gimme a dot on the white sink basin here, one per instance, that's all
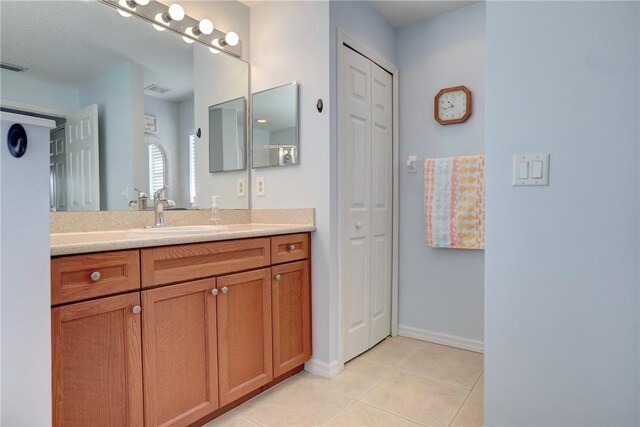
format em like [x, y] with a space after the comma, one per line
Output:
[182, 229]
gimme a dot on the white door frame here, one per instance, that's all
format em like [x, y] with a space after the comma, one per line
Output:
[345, 38]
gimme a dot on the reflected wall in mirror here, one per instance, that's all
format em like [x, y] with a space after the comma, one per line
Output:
[275, 127]
[227, 135]
[229, 82]
[99, 90]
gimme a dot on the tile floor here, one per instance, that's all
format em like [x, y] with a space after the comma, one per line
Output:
[400, 382]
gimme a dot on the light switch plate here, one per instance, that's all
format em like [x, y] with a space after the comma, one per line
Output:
[242, 187]
[538, 163]
[261, 190]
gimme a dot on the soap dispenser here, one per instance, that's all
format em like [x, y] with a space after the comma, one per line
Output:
[215, 211]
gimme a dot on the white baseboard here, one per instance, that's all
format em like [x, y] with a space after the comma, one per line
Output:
[444, 339]
[322, 369]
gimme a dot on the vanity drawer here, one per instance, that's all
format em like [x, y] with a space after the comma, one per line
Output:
[290, 247]
[81, 277]
[173, 264]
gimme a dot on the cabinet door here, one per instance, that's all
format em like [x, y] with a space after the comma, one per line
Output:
[244, 333]
[97, 363]
[291, 296]
[179, 343]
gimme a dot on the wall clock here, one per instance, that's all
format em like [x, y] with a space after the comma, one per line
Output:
[452, 105]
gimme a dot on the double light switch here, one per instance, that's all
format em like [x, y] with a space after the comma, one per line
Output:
[531, 169]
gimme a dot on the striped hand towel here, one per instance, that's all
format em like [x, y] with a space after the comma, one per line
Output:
[454, 202]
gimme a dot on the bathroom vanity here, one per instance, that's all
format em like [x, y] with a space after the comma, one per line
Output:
[176, 330]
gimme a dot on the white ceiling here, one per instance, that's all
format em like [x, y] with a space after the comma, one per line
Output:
[401, 13]
[73, 42]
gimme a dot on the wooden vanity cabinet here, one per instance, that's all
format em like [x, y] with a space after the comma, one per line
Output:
[244, 333]
[97, 363]
[212, 324]
[179, 341]
[291, 301]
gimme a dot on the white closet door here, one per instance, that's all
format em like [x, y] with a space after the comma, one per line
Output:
[366, 201]
[355, 200]
[83, 177]
[381, 203]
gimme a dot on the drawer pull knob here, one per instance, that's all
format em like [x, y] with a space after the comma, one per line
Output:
[137, 309]
[214, 292]
[292, 248]
[278, 277]
[225, 290]
[95, 276]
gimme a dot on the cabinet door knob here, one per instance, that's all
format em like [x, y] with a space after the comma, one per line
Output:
[358, 224]
[278, 277]
[292, 248]
[225, 290]
[95, 276]
[214, 292]
[137, 309]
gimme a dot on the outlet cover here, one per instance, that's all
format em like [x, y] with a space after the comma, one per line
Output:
[261, 190]
[242, 187]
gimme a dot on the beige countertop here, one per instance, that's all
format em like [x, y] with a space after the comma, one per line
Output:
[100, 241]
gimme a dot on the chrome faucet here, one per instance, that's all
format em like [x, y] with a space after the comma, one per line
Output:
[159, 202]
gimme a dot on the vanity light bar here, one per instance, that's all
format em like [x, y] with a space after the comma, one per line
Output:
[215, 40]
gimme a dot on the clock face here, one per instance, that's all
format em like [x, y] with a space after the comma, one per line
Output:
[453, 105]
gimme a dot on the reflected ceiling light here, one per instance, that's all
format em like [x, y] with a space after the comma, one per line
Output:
[187, 39]
[125, 5]
[158, 18]
[175, 13]
[261, 121]
[231, 39]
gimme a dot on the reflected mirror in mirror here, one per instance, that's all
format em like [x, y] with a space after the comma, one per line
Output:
[127, 106]
[227, 136]
[275, 127]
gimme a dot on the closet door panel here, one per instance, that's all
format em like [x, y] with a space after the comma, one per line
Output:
[381, 203]
[355, 198]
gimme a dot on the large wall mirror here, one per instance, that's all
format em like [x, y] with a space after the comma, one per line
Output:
[275, 126]
[132, 106]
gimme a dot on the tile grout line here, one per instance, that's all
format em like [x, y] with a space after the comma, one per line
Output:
[392, 413]
[466, 398]
[340, 413]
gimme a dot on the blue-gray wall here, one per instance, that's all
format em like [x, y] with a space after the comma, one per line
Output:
[441, 290]
[562, 282]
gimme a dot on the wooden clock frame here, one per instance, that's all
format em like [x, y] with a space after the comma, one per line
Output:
[447, 90]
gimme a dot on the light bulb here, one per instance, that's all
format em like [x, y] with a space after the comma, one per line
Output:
[212, 50]
[176, 12]
[159, 18]
[142, 2]
[216, 43]
[187, 40]
[231, 38]
[261, 121]
[205, 27]
[124, 5]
